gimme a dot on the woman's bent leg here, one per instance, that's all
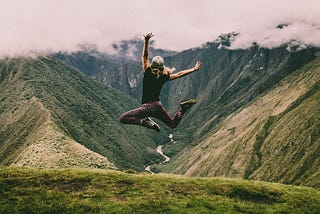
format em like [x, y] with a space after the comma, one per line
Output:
[164, 116]
[134, 116]
[153, 109]
[140, 116]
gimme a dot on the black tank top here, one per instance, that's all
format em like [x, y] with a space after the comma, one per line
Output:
[152, 86]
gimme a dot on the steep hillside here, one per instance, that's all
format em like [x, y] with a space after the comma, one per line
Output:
[106, 191]
[29, 137]
[274, 138]
[227, 80]
[48, 109]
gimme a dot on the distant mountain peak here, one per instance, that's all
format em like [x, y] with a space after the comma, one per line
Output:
[131, 49]
[281, 26]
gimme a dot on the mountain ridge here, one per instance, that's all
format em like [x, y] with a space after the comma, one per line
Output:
[82, 110]
[247, 131]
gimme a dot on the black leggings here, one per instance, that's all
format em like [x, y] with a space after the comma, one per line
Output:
[151, 109]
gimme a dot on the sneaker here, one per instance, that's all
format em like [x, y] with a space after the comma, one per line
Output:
[150, 124]
[186, 104]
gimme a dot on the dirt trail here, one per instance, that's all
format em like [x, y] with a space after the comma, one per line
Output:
[159, 150]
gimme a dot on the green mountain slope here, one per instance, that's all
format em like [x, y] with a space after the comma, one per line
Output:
[228, 80]
[49, 111]
[274, 138]
[227, 83]
[102, 191]
[29, 137]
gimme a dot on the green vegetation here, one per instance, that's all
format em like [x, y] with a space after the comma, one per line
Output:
[257, 115]
[39, 91]
[274, 138]
[255, 161]
[294, 139]
[25, 190]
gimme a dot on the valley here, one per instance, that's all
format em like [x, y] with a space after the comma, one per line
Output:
[56, 114]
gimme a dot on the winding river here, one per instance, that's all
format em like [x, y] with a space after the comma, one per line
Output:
[166, 159]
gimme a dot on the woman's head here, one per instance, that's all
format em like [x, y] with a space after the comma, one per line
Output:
[158, 67]
[157, 63]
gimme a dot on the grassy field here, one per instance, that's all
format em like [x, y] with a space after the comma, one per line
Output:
[25, 190]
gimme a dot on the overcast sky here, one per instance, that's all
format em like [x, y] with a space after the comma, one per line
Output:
[54, 25]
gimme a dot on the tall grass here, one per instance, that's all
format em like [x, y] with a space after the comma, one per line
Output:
[100, 191]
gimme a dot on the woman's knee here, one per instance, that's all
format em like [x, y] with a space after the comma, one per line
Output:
[122, 118]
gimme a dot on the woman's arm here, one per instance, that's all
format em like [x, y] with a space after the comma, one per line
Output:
[145, 52]
[186, 72]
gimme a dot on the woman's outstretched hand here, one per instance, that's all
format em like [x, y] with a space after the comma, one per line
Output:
[197, 66]
[185, 72]
[148, 36]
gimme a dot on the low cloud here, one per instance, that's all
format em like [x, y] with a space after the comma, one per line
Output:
[299, 33]
[41, 26]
